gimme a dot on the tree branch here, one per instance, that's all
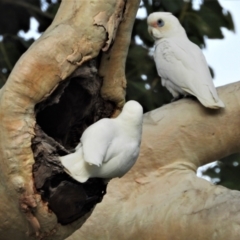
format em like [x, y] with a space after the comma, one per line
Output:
[112, 67]
[74, 37]
[161, 197]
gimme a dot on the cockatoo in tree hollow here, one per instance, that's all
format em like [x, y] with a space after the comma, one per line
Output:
[181, 63]
[109, 147]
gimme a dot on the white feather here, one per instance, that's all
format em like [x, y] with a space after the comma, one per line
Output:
[108, 148]
[75, 166]
[180, 63]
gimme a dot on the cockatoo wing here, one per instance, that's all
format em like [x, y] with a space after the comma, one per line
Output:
[96, 140]
[75, 166]
[182, 62]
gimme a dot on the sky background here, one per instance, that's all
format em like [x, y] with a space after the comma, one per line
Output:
[224, 55]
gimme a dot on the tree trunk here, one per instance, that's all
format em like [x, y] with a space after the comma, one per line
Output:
[68, 79]
[161, 197]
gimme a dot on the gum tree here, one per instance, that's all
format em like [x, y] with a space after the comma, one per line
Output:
[68, 79]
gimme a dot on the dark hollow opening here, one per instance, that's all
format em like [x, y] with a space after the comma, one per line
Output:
[61, 119]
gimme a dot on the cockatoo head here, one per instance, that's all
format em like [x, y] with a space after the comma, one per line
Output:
[132, 112]
[163, 24]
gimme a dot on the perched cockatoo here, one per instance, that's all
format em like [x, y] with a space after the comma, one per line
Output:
[109, 147]
[181, 63]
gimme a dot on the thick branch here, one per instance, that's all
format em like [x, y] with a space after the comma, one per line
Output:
[75, 36]
[186, 131]
[112, 67]
[161, 197]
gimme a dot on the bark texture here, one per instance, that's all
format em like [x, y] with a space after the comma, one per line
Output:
[51, 96]
[161, 197]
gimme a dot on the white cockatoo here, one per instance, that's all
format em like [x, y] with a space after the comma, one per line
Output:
[181, 63]
[109, 147]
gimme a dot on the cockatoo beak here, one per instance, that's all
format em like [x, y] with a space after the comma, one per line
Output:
[154, 33]
[150, 31]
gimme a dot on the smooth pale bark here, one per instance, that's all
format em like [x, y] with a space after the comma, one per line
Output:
[161, 197]
[79, 32]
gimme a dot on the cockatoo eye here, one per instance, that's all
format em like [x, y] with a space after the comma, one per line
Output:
[160, 22]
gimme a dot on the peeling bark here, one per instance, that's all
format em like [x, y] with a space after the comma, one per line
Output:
[52, 95]
[112, 66]
[161, 197]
